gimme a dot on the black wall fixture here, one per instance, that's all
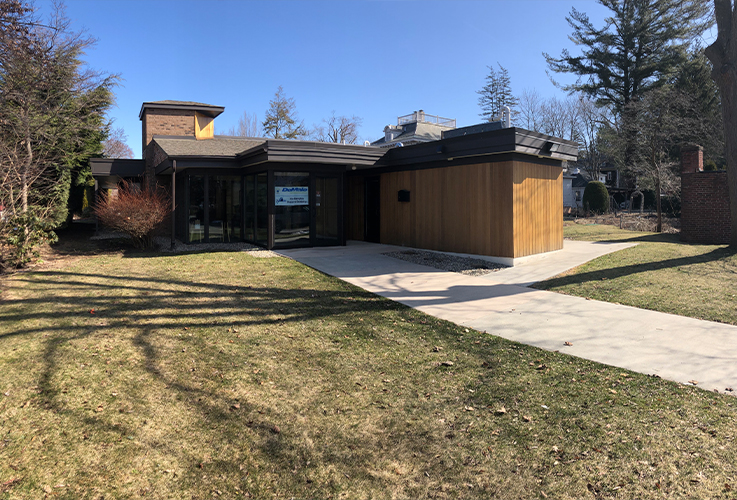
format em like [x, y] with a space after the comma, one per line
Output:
[403, 195]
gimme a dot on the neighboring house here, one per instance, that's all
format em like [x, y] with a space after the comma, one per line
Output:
[413, 129]
[611, 177]
[480, 191]
[574, 184]
[578, 186]
[618, 183]
[568, 198]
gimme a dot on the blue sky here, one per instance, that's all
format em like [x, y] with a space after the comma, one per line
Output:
[376, 59]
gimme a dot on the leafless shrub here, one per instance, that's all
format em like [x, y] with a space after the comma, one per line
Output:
[139, 213]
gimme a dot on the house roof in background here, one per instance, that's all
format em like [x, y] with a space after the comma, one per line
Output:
[415, 131]
[579, 181]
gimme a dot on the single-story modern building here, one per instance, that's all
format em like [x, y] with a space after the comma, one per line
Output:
[478, 191]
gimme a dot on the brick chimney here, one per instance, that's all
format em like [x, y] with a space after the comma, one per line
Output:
[692, 159]
[177, 118]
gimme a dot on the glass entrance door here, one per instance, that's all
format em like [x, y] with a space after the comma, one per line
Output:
[291, 209]
[327, 211]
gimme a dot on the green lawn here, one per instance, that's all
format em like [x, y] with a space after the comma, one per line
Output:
[660, 273]
[222, 375]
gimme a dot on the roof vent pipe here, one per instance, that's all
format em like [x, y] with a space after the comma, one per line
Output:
[507, 116]
[366, 143]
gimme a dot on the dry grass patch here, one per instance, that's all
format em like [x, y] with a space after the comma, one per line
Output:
[219, 374]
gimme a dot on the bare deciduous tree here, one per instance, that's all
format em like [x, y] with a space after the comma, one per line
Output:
[530, 110]
[576, 118]
[661, 120]
[115, 146]
[248, 126]
[337, 129]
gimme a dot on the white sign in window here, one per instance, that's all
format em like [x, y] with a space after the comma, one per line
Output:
[290, 196]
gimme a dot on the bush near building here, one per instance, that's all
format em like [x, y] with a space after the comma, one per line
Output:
[139, 213]
[596, 197]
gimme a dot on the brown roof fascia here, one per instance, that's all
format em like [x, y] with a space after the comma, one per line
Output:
[205, 109]
[494, 142]
[282, 150]
[123, 167]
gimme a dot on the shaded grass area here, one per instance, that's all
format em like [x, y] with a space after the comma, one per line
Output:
[218, 374]
[660, 273]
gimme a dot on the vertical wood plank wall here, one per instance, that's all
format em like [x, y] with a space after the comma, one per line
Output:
[503, 209]
[464, 208]
[538, 208]
[354, 222]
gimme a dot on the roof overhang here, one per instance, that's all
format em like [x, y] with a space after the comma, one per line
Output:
[207, 110]
[104, 167]
[285, 151]
[483, 144]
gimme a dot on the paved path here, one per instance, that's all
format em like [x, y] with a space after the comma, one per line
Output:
[500, 303]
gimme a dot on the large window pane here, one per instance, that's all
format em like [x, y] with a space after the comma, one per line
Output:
[262, 200]
[250, 206]
[225, 208]
[291, 209]
[196, 209]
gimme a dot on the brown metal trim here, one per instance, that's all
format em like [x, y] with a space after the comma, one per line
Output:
[469, 160]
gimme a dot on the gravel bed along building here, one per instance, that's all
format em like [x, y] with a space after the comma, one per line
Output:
[446, 262]
[164, 245]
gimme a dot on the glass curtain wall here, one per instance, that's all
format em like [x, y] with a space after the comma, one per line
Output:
[262, 204]
[236, 208]
[291, 209]
[196, 208]
[249, 203]
[224, 202]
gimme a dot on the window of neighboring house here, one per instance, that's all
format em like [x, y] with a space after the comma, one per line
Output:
[609, 176]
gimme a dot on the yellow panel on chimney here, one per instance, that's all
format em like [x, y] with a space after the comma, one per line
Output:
[204, 126]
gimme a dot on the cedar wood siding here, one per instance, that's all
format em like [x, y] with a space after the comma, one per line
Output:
[503, 209]
[464, 208]
[538, 203]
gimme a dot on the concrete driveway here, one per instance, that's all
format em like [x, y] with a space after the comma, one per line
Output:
[673, 347]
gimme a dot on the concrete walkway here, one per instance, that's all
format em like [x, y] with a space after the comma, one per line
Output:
[500, 303]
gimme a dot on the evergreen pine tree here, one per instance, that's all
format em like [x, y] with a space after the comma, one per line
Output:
[281, 118]
[496, 94]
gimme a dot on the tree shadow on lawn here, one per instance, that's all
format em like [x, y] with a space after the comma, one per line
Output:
[618, 272]
[643, 238]
[149, 312]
